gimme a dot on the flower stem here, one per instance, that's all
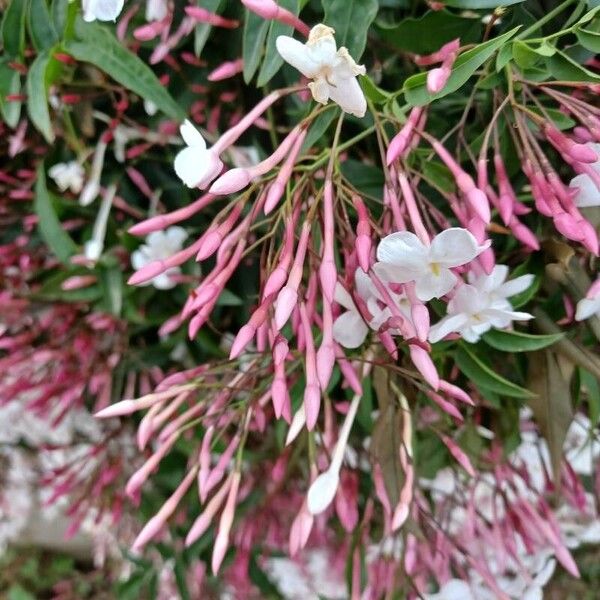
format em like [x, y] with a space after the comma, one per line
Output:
[545, 19]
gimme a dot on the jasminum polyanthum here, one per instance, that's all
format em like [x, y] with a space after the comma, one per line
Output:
[102, 10]
[590, 305]
[588, 189]
[68, 176]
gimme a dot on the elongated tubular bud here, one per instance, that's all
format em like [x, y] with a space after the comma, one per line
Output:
[126, 407]
[270, 10]
[400, 141]
[279, 275]
[278, 186]
[455, 392]
[326, 352]
[312, 391]
[215, 476]
[461, 458]
[247, 332]
[226, 70]
[203, 521]
[440, 55]
[201, 15]
[425, 366]
[413, 210]
[211, 240]
[566, 146]
[222, 539]
[288, 296]
[363, 234]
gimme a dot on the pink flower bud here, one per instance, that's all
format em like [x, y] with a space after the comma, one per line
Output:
[424, 364]
[231, 181]
[287, 299]
[461, 458]
[325, 363]
[436, 79]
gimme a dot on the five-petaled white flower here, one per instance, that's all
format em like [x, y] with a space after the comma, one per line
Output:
[68, 176]
[196, 165]
[333, 71]
[588, 193]
[159, 246]
[103, 10]
[495, 284]
[350, 329]
[404, 257]
[472, 312]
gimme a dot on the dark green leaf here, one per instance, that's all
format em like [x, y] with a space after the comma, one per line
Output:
[43, 34]
[409, 35]
[99, 47]
[516, 341]
[203, 30]
[10, 83]
[50, 227]
[415, 90]
[318, 127]
[480, 4]
[559, 118]
[372, 92]
[483, 375]
[13, 28]
[37, 94]
[111, 280]
[59, 10]
[273, 61]
[351, 20]
[255, 32]
[564, 68]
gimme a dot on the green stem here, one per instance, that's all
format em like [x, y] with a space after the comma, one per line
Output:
[539, 24]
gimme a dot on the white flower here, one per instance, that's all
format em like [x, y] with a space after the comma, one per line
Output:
[196, 165]
[333, 71]
[588, 193]
[150, 108]
[587, 307]
[68, 176]
[496, 286]
[453, 589]
[471, 313]
[577, 526]
[580, 451]
[159, 246]
[156, 10]
[404, 257]
[103, 10]
[350, 329]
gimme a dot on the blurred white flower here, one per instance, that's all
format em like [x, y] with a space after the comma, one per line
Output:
[333, 71]
[580, 450]
[159, 246]
[68, 176]
[588, 193]
[103, 10]
[587, 307]
[196, 165]
[156, 10]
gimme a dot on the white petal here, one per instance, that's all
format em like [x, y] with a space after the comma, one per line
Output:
[322, 491]
[588, 194]
[515, 286]
[403, 249]
[156, 10]
[587, 307]
[191, 165]
[454, 247]
[157, 241]
[349, 95]
[320, 90]
[321, 45]
[139, 258]
[92, 249]
[343, 298]
[191, 136]
[103, 10]
[490, 282]
[350, 330]
[164, 281]
[397, 274]
[175, 236]
[430, 285]
[447, 325]
[364, 286]
[297, 54]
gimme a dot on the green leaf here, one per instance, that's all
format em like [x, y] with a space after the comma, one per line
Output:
[564, 68]
[551, 405]
[588, 39]
[255, 32]
[415, 90]
[38, 79]
[517, 341]
[111, 281]
[480, 4]
[59, 10]
[318, 128]
[351, 20]
[16, 592]
[10, 83]
[41, 28]
[51, 230]
[273, 60]
[483, 375]
[372, 92]
[13, 28]
[408, 35]
[559, 118]
[99, 47]
[202, 30]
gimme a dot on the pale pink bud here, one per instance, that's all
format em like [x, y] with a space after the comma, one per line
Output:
[231, 181]
[524, 235]
[300, 530]
[201, 15]
[242, 339]
[420, 319]
[455, 392]
[346, 501]
[325, 363]
[268, 9]
[226, 70]
[424, 364]
[461, 458]
[437, 79]
[202, 523]
[222, 541]
[287, 299]
[77, 282]
[401, 140]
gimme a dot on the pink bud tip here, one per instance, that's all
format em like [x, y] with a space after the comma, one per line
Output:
[436, 79]
[276, 279]
[209, 245]
[230, 182]
[286, 301]
[273, 196]
[479, 202]
[242, 339]
[312, 404]
[420, 318]
[363, 252]
[325, 362]
[583, 153]
[328, 277]
[125, 407]
[147, 272]
[424, 364]
[279, 396]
